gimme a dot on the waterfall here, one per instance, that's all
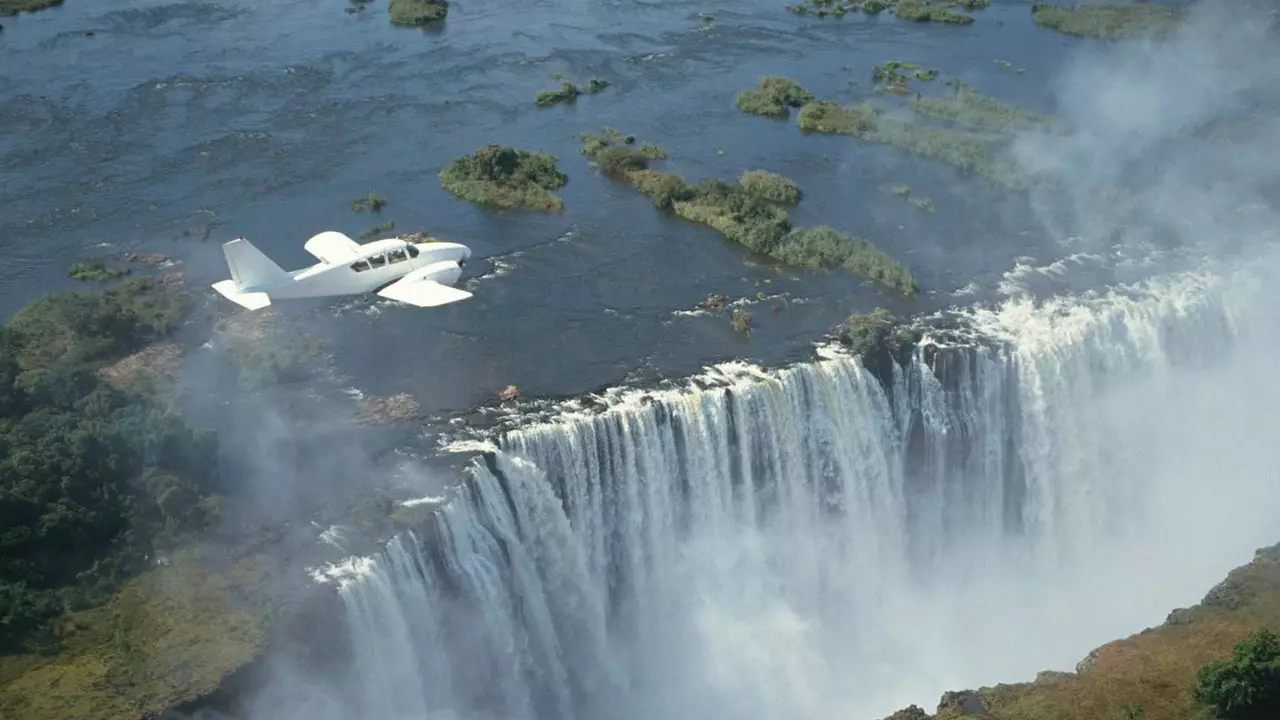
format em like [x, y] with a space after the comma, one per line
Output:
[814, 542]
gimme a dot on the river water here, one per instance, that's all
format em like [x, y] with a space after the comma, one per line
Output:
[174, 127]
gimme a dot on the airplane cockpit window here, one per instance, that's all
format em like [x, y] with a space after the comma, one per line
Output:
[360, 265]
[413, 251]
[378, 260]
[396, 256]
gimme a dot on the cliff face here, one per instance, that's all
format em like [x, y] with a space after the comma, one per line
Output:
[1149, 675]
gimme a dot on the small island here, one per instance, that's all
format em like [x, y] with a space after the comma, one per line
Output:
[1108, 21]
[506, 177]
[749, 212]
[416, 13]
[772, 97]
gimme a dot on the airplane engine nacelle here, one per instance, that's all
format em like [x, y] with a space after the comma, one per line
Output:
[445, 272]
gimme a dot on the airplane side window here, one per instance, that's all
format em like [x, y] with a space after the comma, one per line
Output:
[396, 256]
[413, 251]
[360, 266]
[378, 260]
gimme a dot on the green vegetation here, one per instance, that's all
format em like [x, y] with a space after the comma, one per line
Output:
[924, 204]
[879, 331]
[971, 109]
[377, 230]
[741, 321]
[167, 637]
[770, 186]
[1197, 665]
[416, 13]
[1108, 21]
[772, 96]
[1246, 687]
[506, 177]
[13, 7]
[94, 477]
[748, 213]
[917, 11]
[1010, 66]
[901, 190]
[568, 92]
[966, 151]
[93, 270]
[372, 202]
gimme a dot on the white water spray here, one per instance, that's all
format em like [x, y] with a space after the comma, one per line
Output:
[802, 543]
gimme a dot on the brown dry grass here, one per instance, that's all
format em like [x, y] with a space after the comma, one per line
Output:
[1154, 670]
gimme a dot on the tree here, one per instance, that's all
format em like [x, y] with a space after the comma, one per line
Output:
[1246, 687]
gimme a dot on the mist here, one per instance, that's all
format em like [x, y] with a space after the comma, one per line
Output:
[610, 567]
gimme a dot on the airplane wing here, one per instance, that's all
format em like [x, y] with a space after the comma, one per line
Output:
[423, 293]
[332, 247]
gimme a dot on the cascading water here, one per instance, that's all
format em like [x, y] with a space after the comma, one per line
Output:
[812, 543]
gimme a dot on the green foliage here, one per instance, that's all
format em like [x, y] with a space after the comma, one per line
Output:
[372, 202]
[416, 13]
[974, 110]
[84, 327]
[666, 189]
[873, 333]
[827, 116]
[917, 11]
[772, 96]
[567, 92]
[827, 247]
[506, 177]
[741, 321]
[889, 72]
[1109, 21]
[377, 230]
[1246, 687]
[596, 84]
[92, 478]
[770, 186]
[95, 270]
[13, 7]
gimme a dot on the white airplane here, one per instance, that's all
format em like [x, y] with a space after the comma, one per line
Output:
[419, 274]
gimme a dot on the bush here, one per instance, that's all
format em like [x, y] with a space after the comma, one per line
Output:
[666, 189]
[567, 92]
[416, 13]
[506, 177]
[772, 96]
[770, 186]
[827, 116]
[1246, 687]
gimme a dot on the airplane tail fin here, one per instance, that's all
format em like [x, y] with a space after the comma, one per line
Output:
[250, 268]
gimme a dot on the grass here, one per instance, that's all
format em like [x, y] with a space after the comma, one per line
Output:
[770, 186]
[965, 151]
[506, 177]
[974, 110]
[93, 270]
[1151, 674]
[772, 97]
[748, 212]
[13, 7]
[416, 13]
[167, 637]
[1107, 21]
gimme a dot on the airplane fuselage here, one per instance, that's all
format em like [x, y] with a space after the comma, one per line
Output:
[378, 263]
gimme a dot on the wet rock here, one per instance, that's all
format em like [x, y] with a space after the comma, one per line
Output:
[390, 410]
[510, 392]
[714, 301]
[151, 259]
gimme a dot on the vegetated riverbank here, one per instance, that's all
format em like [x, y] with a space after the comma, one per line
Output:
[130, 582]
[1154, 674]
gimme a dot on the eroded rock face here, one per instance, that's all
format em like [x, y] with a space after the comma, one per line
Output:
[911, 712]
[714, 301]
